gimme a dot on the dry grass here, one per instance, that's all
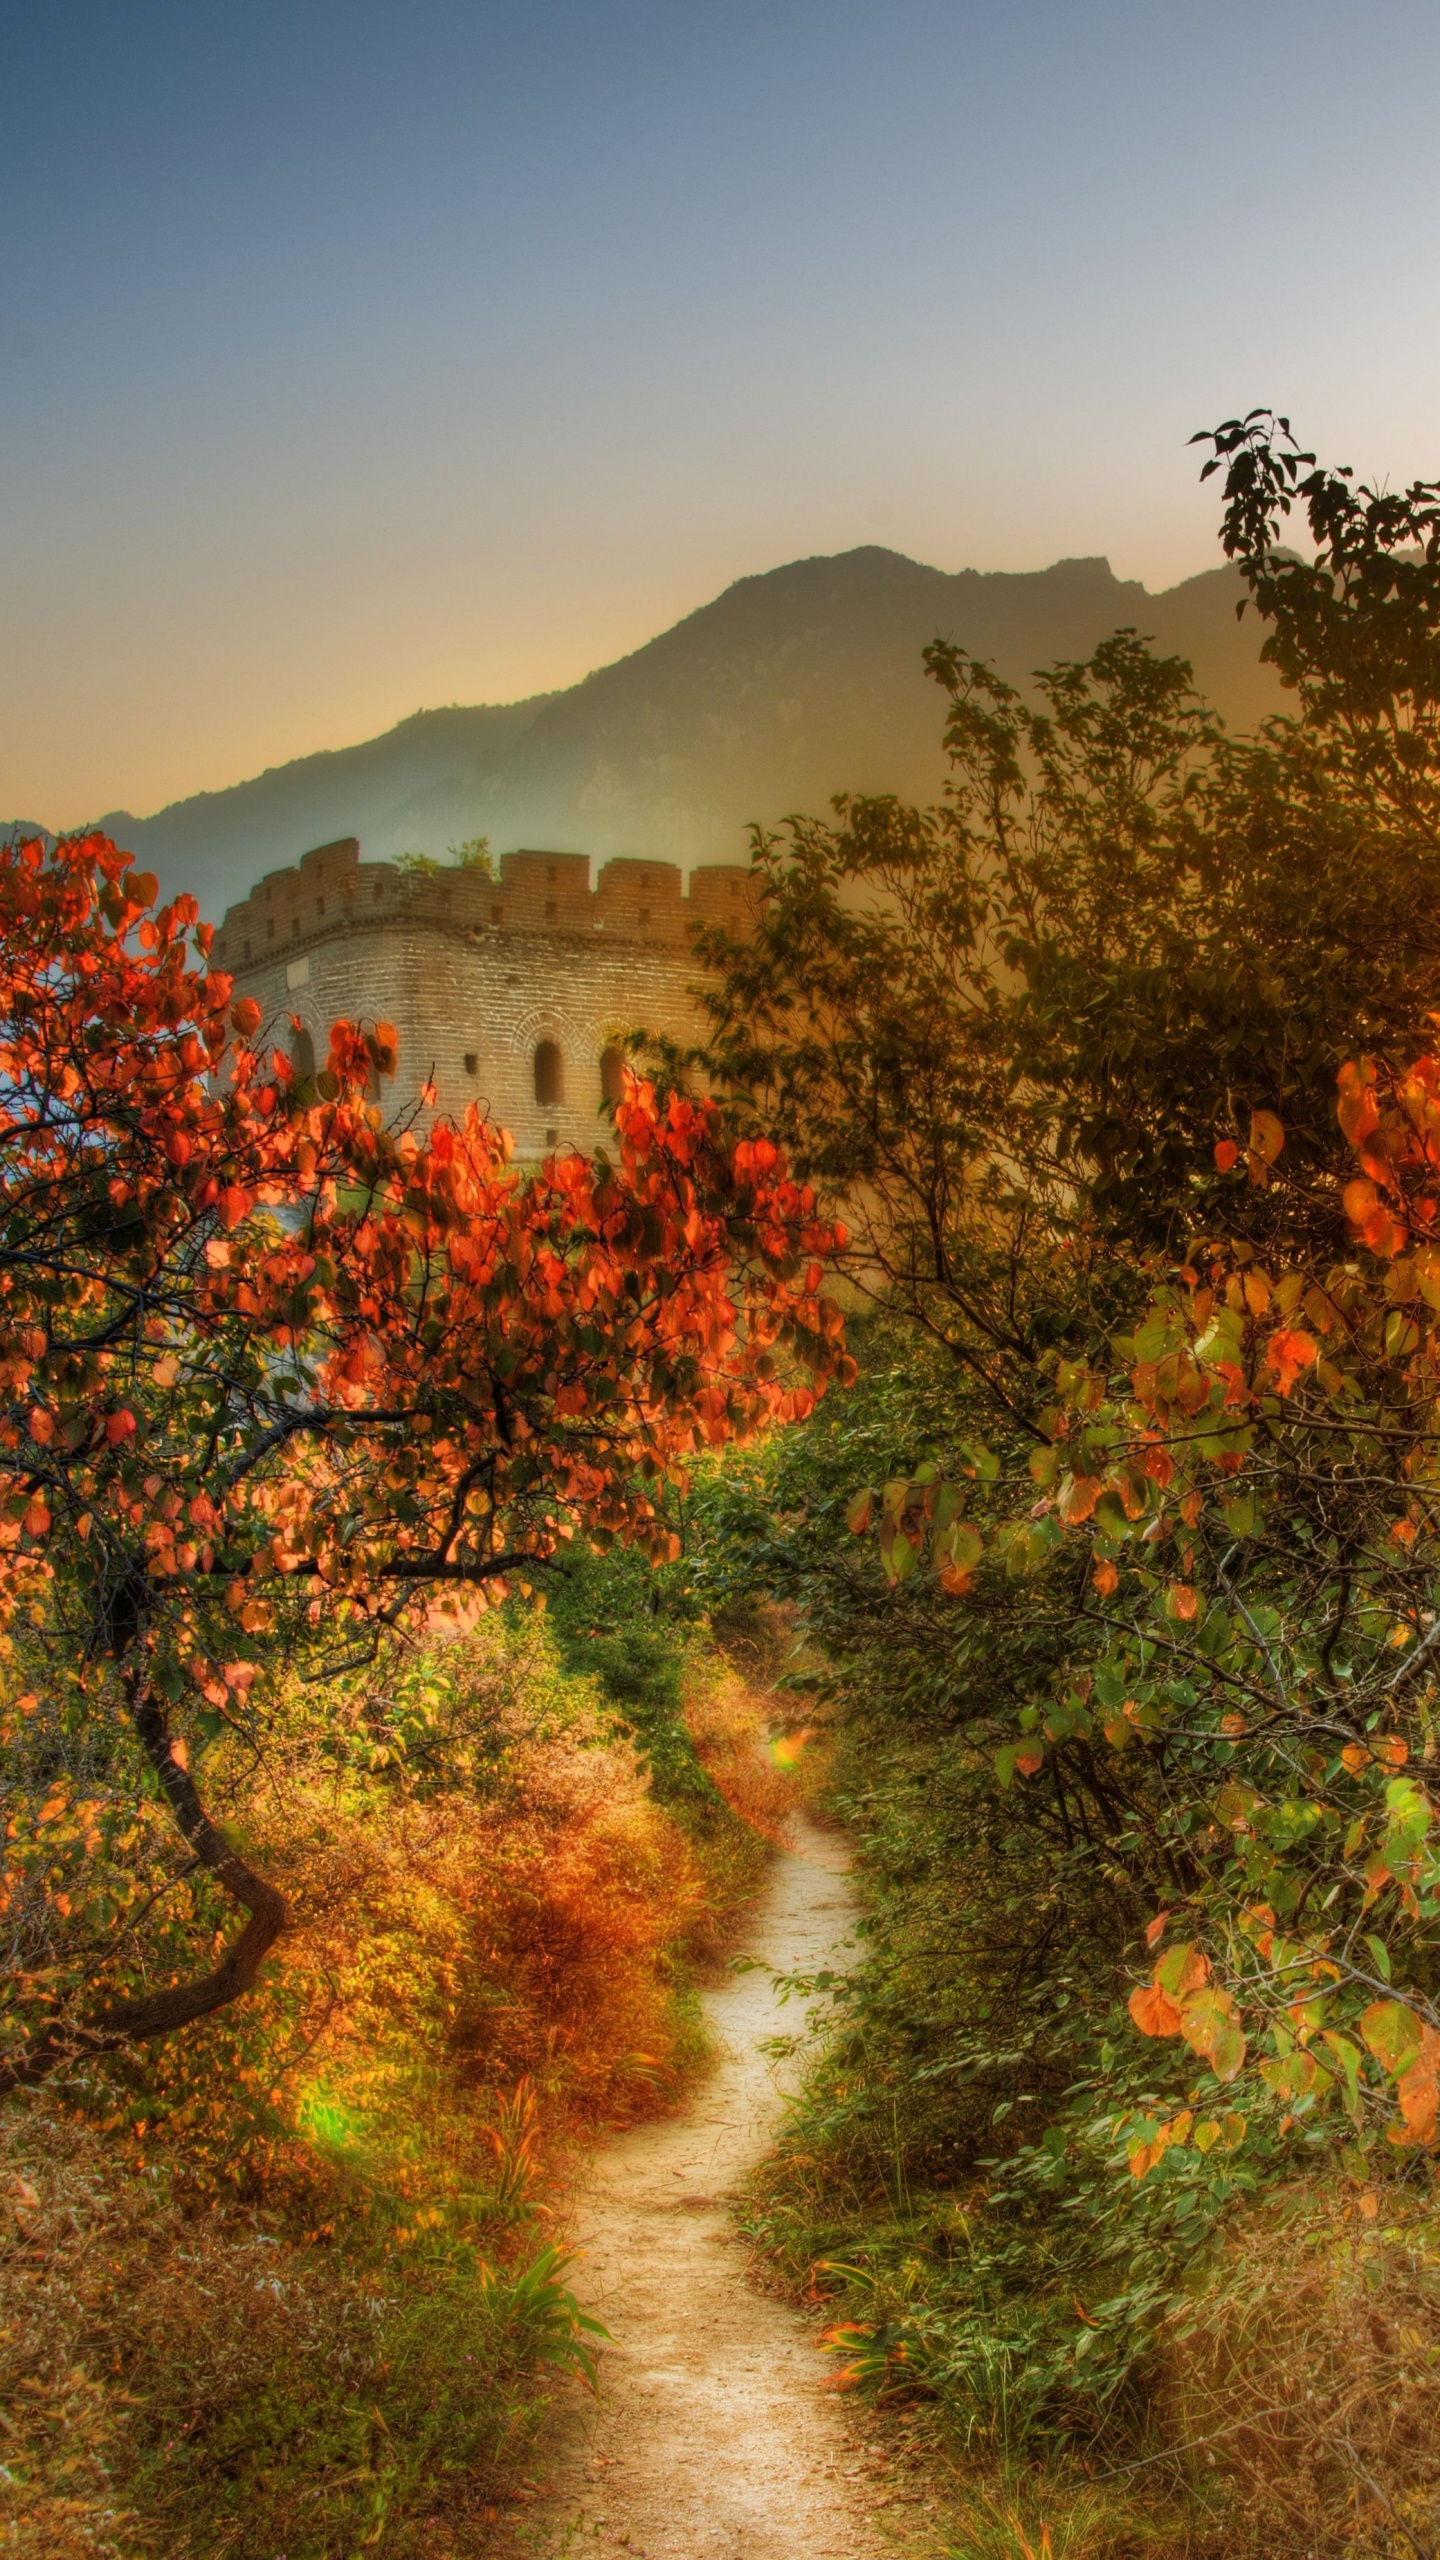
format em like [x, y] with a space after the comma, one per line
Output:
[179, 2382]
[1306, 2376]
[742, 1741]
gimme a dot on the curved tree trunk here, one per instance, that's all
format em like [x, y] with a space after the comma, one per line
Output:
[159, 2014]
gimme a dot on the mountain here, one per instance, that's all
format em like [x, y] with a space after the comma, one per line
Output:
[787, 688]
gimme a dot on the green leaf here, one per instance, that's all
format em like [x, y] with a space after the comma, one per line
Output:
[1348, 2057]
[961, 1545]
[1392, 2033]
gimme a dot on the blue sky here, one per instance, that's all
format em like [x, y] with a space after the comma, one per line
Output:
[369, 356]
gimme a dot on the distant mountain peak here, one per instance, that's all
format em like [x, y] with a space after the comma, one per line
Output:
[792, 684]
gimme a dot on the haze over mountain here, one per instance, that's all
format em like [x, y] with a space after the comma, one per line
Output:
[790, 686]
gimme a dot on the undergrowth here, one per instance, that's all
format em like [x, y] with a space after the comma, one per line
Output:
[954, 2195]
[292, 2284]
[1247, 2340]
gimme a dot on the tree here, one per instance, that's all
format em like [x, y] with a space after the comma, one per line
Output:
[1248, 1461]
[1009, 1029]
[273, 1368]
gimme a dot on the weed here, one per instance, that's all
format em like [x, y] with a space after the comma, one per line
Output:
[539, 2320]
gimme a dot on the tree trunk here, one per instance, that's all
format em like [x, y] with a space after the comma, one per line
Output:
[136, 2021]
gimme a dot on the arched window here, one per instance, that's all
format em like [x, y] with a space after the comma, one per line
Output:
[549, 1074]
[302, 1053]
[612, 1073]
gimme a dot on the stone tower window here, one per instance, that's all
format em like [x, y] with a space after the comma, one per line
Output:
[302, 1053]
[472, 1062]
[612, 1073]
[549, 1074]
[549, 910]
[497, 915]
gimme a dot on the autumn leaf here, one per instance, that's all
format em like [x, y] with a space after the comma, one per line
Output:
[1267, 1136]
[1392, 2033]
[1419, 2090]
[1210, 2028]
[1154, 2012]
[1182, 1969]
[1288, 1355]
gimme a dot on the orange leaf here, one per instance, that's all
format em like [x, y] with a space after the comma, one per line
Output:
[1227, 1154]
[1288, 1355]
[1418, 2090]
[1153, 2011]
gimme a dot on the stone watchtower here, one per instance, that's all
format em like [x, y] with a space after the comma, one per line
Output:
[509, 993]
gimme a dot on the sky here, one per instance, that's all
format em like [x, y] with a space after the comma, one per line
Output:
[365, 357]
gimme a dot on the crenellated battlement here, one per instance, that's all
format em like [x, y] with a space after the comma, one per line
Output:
[512, 990]
[331, 890]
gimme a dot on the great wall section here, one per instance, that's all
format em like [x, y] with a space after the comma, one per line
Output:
[509, 992]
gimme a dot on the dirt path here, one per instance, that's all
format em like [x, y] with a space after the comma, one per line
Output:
[713, 2437]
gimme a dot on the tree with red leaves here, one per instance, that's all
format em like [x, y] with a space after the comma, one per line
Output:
[273, 1367]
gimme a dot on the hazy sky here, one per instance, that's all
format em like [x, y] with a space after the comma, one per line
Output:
[365, 356]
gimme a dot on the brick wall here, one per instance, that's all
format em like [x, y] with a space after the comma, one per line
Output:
[478, 976]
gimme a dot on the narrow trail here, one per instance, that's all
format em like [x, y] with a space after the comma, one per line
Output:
[713, 2437]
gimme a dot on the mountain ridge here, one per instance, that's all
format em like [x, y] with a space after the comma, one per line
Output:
[792, 684]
